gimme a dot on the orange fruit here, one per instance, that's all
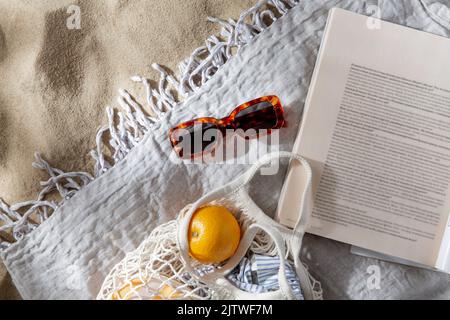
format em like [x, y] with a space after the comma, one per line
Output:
[214, 234]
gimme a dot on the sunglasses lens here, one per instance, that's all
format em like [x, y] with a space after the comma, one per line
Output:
[195, 139]
[261, 115]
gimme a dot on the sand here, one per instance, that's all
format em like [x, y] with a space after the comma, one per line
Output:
[55, 82]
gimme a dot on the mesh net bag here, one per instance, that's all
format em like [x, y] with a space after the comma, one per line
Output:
[154, 271]
[161, 268]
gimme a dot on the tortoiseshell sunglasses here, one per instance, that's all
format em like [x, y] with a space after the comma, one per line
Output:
[265, 113]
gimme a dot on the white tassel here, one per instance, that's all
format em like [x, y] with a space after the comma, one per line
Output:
[16, 224]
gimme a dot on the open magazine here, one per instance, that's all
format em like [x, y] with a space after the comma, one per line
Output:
[376, 131]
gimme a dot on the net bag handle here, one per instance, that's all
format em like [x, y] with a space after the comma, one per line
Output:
[236, 186]
[216, 279]
[294, 237]
[285, 290]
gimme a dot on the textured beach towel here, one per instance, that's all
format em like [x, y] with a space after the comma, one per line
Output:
[69, 255]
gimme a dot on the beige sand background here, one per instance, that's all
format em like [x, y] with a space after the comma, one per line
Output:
[55, 82]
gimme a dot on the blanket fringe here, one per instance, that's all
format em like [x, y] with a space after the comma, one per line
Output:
[128, 125]
[21, 218]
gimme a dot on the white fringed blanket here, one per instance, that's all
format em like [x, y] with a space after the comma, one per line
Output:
[102, 218]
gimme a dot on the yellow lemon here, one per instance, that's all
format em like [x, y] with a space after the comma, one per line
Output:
[214, 234]
[168, 292]
[125, 293]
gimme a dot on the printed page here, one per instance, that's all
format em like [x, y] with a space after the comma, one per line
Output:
[376, 131]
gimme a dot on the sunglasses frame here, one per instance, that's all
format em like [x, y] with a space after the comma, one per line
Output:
[229, 121]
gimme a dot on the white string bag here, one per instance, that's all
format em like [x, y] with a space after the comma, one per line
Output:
[161, 268]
